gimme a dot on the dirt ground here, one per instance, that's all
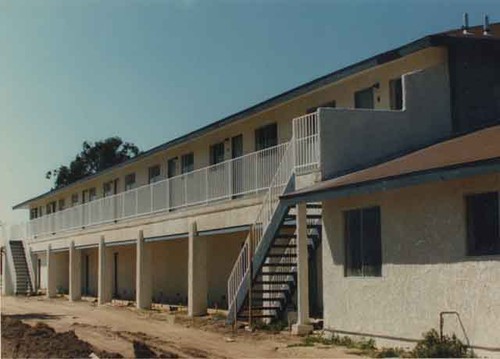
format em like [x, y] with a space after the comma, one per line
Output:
[137, 333]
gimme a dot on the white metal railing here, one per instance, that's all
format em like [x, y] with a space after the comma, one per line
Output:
[301, 154]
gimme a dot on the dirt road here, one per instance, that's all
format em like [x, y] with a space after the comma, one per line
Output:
[114, 329]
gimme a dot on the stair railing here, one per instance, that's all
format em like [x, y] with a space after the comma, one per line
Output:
[301, 153]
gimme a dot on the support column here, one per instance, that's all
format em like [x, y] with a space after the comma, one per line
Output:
[7, 278]
[75, 273]
[34, 269]
[103, 285]
[303, 325]
[197, 273]
[51, 273]
[143, 274]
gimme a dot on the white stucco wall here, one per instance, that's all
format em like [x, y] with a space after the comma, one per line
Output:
[425, 267]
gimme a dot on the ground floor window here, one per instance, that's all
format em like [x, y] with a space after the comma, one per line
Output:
[363, 244]
[483, 224]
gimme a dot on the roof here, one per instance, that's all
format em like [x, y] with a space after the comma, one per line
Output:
[477, 148]
[439, 39]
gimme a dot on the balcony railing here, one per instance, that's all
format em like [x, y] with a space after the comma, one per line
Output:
[251, 173]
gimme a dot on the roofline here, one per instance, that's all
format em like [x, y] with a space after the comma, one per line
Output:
[445, 173]
[439, 39]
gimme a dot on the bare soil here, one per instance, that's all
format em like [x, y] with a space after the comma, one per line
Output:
[110, 331]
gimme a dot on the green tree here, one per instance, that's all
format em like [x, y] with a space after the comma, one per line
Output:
[93, 158]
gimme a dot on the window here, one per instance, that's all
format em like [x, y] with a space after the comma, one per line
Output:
[172, 167]
[129, 181]
[482, 224]
[266, 136]
[40, 211]
[74, 199]
[107, 189]
[33, 213]
[331, 104]
[363, 244]
[217, 153]
[92, 194]
[187, 163]
[396, 88]
[61, 204]
[154, 174]
[364, 98]
[51, 207]
[237, 146]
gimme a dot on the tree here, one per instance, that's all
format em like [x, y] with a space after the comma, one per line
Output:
[93, 158]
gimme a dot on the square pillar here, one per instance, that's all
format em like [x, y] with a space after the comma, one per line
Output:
[197, 273]
[34, 269]
[75, 272]
[7, 279]
[103, 286]
[51, 273]
[144, 282]
[303, 326]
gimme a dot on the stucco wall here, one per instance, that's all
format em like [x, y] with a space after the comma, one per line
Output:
[93, 259]
[354, 138]
[61, 264]
[425, 268]
[125, 270]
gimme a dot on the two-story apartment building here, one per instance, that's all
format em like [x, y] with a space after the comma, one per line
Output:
[200, 221]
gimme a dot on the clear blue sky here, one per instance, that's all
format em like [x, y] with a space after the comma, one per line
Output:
[151, 70]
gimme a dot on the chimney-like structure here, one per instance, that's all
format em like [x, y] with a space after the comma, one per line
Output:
[465, 26]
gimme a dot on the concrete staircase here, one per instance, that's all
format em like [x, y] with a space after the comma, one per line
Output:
[23, 283]
[274, 285]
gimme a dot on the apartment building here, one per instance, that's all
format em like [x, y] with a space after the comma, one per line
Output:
[218, 217]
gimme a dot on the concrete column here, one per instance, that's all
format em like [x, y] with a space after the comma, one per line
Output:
[197, 273]
[7, 279]
[51, 273]
[34, 268]
[303, 325]
[75, 272]
[143, 274]
[103, 286]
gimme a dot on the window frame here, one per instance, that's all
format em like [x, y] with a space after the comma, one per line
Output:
[213, 160]
[364, 273]
[156, 178]
[128, 184]
[187, 162]
[361, 92]
[73, 201]
[396, 103]
[259, 135]
[472, 252]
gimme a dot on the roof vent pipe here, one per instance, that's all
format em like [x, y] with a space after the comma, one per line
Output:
[486, 26]
[465, 26]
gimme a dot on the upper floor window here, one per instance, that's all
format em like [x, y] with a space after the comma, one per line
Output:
[92, 194]
[129, 181]
[364, 98]
[172, 167]
[266, 136]
[154, 174]
[61, 204]
[217, 153]
[74, 199]
[33, 213]
[107, 189]
[482, 224]
[396, 95]
[40, 211]
[51, 207]
[187, 162]
[363, 243]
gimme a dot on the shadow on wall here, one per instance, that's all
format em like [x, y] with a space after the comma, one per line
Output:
[356, 138]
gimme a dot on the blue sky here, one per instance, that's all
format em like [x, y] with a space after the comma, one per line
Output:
[152, 70]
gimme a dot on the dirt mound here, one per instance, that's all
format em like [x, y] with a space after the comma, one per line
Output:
[20, 340]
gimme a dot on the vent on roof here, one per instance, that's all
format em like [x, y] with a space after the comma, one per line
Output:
[465, 26]
[486, 26]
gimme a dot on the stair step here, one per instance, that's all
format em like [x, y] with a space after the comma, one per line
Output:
[283, 246]
[279, 273]
[314, 205]
[263, 308]
[279, 265]
[258, 316]
[282, 255]
[281, 282]
[285, 235]
[289, 225]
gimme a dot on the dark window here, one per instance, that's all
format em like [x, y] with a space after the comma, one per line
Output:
[62, 204]
[40, 211]
[217, 153]
[51, 207]
[396, 88]
[172, 167]
[33, 213]
[482, 224]
[107, 189]
[364, 98]
[154, 174]
[237, 146]
[129, 181]
[74, 199]
[92, 194]
[266, 136]
[363, 244]
[331, 104]
[187, 163]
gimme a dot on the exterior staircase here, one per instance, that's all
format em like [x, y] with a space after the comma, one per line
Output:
[273, 288]
[23, 283]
